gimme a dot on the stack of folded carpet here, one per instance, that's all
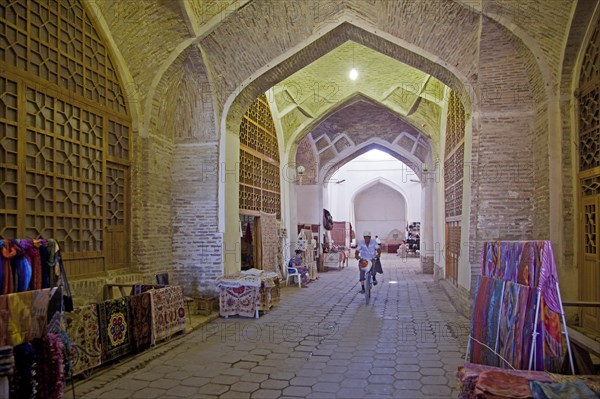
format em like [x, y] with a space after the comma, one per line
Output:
[477, 381]
[7, 364]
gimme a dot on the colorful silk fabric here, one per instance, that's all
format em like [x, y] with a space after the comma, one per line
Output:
[269, 241]
[168, 313]
[484, 327]
[242, 301]
[23, 316]
[23, 265]
[82, 327]
[141, 312]
[525, 270]
[115, 328]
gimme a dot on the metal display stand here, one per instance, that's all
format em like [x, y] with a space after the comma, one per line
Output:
[533, 353]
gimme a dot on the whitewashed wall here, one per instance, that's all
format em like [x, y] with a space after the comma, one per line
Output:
[385, 180]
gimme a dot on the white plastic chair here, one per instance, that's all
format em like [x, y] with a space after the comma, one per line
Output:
[293, 272]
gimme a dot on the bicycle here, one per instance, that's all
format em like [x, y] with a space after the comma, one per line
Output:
[366, 266]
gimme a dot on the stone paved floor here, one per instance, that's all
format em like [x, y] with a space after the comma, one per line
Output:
[319, 342]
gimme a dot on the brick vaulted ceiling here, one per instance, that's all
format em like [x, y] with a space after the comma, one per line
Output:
[314, 91]
[149, 35]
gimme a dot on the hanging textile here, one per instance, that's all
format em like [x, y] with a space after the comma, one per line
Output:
[9, 251]
[525, 270]
[338, 233]
[141, 313]
[25, 314]
[115, 328]
[269, 242]
[248, 234]
[23, 383]
[168, 313]
[82, 326]
[7, 364]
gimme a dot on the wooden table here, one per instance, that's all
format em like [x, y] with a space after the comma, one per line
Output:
[108, 289]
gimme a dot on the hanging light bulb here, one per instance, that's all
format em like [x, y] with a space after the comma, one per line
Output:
[353, 72]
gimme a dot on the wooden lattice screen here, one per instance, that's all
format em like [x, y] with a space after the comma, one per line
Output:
[589, 179]
[64, 135]
[259, 161]
[453, 182]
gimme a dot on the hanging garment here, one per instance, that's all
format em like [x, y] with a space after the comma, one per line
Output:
[23, 272]
[327, 220]
[9, 251]
[248, 235]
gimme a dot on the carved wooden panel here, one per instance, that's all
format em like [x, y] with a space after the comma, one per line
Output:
[590, 226]
[64, 133]
[452, 252]
[453, 182]
[589, 177]
[455, 124]
[259, 161]
[589, 129]
[454, 157]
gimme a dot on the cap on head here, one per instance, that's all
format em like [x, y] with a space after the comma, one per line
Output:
[367, 233]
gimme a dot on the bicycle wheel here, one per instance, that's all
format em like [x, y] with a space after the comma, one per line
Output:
[367, 287]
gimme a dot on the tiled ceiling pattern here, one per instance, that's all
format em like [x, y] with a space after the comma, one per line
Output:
[315, 91]
[347, 130]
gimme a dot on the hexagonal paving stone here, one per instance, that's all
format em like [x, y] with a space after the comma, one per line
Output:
[225, 379]
[303, 381]
[274, 384]
[149, 393]
[308, 372]
[213, 389]
[408, 384]
[351, 393]
[381, 379]
[407, 367]
[266, 394]
[254, 377]
[297, 391]
[260, 352]
[235, 395]
[146, 376]
[434, 380]
[431, 363]
[439, 390]
[116, 394]
[354, 383]
[163, 383]
[322, 395]
[282, 375]
[384, 363]
[326, 387]
[245, 387]
[195, 381]
[380, 389]
[182, 391]
[330, 377]
[236, 371]
[432, 371]
[408, 375]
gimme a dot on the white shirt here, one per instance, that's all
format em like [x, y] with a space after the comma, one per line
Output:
[367, 252]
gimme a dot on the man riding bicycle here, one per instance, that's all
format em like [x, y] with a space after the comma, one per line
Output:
[368, 249]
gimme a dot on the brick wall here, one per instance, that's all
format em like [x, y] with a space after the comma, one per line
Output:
[197, 244]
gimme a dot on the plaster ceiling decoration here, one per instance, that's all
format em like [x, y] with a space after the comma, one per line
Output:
[306, 97]
[350, 131]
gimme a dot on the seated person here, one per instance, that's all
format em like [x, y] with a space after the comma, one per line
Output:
[296, 262]
[402, 249]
